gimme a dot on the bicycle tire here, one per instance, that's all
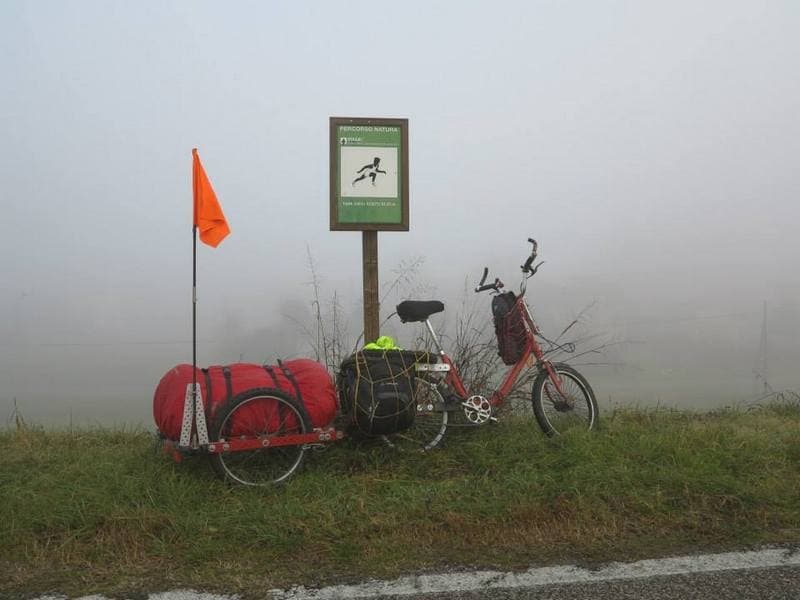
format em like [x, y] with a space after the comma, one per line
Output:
[262, 413]
[556, 413]
[430, 420]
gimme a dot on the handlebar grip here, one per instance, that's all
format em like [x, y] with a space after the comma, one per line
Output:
[527, 266]
[497, 286]
[485, 273]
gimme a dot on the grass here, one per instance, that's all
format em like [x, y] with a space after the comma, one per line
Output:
[103, 511]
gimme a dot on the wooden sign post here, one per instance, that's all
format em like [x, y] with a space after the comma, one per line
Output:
[369, 254]
[369, 192]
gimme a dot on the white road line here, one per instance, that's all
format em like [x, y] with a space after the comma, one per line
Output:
[485, 580]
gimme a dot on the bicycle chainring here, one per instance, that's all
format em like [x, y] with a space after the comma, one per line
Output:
[477, 409]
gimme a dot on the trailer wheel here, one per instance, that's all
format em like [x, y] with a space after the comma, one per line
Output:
[259, 414]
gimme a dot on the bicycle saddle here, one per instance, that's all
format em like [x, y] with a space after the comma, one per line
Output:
[418, 310]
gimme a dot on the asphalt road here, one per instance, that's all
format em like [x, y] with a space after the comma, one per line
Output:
[755, 584]
[768, 574]
[761, 574]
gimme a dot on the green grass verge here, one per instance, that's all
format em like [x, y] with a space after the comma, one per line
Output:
[105, 511]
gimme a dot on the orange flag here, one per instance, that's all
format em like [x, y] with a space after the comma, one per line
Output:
[208, 216]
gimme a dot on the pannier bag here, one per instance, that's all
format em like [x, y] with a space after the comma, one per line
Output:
[306, 380]
[509, 325]
[376, 389]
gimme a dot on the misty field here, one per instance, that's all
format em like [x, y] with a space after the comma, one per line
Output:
[104, 510]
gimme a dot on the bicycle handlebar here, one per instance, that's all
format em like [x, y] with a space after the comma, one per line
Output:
[489, 286]
[527, 269]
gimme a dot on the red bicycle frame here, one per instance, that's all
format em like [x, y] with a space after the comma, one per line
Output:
[532, 348]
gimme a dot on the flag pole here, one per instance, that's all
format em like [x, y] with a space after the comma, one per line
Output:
[194, 292]
[205, 211]
[194, 316]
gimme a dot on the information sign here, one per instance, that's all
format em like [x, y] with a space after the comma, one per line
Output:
[368, 174]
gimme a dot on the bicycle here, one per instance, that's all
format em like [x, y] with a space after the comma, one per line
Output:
[561, 397]
[260, 436]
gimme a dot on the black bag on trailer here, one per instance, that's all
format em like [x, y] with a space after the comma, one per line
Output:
[509, 325]
[376, 389]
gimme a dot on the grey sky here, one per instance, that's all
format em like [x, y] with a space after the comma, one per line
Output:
[651, 147]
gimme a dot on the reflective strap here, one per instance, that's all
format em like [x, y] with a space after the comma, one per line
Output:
[288, 374]
[281, 409]
[226, 372]
[271, 373]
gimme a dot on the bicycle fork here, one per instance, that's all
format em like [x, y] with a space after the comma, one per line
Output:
[539, 355]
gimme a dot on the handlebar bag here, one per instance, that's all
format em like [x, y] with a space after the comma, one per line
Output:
[509, 326]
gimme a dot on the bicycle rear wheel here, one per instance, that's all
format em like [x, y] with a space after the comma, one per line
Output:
[430, 420]
[261, 414]
[558, 412]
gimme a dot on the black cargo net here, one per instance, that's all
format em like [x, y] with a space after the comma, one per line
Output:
[376, 389]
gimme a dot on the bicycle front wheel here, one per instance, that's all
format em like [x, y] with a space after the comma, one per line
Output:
[430, 420]
[259, 414]
[573, 407]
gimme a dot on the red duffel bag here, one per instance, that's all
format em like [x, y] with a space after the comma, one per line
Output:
[306, 380]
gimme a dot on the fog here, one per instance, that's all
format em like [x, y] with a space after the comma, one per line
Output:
[651, 148]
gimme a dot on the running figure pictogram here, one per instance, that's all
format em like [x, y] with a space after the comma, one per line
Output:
[371, 171]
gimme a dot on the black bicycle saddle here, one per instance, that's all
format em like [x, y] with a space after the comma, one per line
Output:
[418, 310]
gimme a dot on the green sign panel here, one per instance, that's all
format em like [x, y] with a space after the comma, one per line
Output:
[369, 174]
